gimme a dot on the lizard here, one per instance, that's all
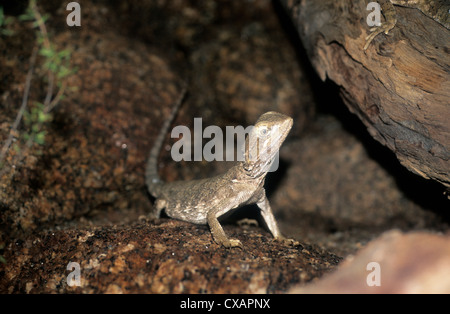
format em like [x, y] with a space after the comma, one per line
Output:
[204, 201]
[436, 9]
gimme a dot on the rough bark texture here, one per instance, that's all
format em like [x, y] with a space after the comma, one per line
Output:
[399, 87]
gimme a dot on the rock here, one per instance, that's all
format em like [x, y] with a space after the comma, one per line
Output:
[248, 67]
[164, 256]
[396, 262]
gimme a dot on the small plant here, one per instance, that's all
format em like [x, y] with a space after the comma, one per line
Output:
[57, 62]
[57, 65]
[34, 120]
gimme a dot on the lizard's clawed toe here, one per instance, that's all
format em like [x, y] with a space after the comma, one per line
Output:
[286, 241]
[230, 243]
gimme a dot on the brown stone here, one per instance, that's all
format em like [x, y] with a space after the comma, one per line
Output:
[416, 262]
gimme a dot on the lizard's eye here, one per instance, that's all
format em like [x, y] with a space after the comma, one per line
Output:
[263, 131]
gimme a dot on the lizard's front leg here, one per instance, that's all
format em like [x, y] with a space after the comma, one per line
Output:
[217, 232]
[266, 212]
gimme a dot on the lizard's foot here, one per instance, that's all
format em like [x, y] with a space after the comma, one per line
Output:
[286, 241]
[374, 31]
[230, 243]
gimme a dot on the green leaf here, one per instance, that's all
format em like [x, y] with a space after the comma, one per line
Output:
[35, 112]
[35, 128]
[47, 52]
[40, 39]
[53, 67]
[2, 16]
[63, 72]
[7, 32]
[45, 17]
[27, 16]
[64, 53]
[44, 117]
[40, 138]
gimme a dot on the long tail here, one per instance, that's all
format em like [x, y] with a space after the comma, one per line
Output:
[151, 173]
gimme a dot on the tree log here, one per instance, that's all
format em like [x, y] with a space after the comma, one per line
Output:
[399, 87]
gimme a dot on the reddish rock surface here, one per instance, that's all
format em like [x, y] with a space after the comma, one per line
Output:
[164, 256]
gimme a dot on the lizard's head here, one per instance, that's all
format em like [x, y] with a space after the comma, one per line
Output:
[264, 141]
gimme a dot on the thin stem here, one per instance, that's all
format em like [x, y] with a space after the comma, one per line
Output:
[22, 107]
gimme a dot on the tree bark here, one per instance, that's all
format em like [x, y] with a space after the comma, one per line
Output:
[399, 87]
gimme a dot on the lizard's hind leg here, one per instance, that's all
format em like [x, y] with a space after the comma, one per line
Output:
[160, 204]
